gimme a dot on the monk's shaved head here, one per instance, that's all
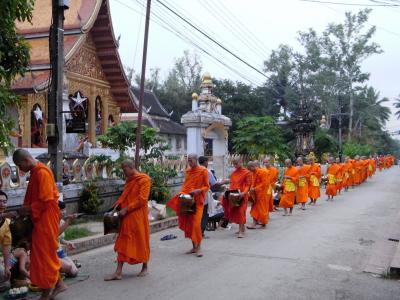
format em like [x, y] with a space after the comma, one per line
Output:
[237, 162]
[128, 163]
[128, 167]
[24, 160]
[192, 160]
[192, 155]
[21, 154]
[300, 160]
[288, 162]
[251, 165]
[267, 161]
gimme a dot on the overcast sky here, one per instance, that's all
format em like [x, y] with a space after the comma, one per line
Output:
[250, 29]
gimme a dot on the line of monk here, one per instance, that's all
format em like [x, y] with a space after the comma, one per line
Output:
[253, 184]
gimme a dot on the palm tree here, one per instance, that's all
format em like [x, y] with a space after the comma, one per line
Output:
[397, 106]
[371, 112]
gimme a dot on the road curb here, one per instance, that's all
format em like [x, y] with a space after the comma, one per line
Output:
[100, 240]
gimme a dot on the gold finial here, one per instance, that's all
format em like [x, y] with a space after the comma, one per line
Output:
[206, 80]
[195, 96]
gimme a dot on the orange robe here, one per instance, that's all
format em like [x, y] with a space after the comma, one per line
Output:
[302, 185]
[370, 167]
[287, 197]
[314, 185]
[273, 178]
[260, 209]
[347, 168]
[339, 177]
[380, 163]
[133, 242]
[240, 180]
[190, 224]
[42, 197]
[331, 189]
[358, 170]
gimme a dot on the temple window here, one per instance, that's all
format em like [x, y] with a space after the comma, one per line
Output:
[99, 116]
[37, 127]
[111, 121]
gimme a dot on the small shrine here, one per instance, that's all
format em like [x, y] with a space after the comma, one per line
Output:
[207, 128]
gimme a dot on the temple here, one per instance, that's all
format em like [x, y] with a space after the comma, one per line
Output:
[95, 86]
[156, 116]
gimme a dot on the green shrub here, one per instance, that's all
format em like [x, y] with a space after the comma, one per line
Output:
[73, 233]
[90, 201]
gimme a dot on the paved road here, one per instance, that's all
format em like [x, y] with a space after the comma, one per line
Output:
[319, 253]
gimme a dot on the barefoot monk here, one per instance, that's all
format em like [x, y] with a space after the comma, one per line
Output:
[240, 180]
[196, 184]
[133, 242]
[41, 203]
[289, 182]
[260, 207]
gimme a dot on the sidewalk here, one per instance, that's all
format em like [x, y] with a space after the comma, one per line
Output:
[99, 239]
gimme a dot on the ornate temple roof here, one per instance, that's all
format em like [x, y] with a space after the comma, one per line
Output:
[83, 17]
[156, 115]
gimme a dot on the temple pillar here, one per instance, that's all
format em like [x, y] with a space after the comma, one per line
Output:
[92, 115]
[105, 114]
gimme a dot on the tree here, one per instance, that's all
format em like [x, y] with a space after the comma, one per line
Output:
[397, 106]
[182, 80]
[324, 142]
[14, 59]
[259, 135]
[122, 137]
[345, 47]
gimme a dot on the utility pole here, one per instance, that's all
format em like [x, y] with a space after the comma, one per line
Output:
[340, 115]
[142, 81]
[54, 128]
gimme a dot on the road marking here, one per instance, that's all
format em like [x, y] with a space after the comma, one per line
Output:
[340, 268]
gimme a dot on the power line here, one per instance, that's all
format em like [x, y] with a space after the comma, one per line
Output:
[212, 39]
[221, 17]
[351, 4]
[378, 27]
[174, 24]
[189, 41]
[236, 22]
[189, 29]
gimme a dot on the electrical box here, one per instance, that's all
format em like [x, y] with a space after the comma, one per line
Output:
[51, 130]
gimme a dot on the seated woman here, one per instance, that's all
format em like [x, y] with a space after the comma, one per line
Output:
[215, 216]
[19, 262]
[68, 266]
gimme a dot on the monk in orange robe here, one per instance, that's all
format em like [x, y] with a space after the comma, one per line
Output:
[370, 167]
[289, 182]
[273, 178]
[240, 180]
[347, 168]
[196, 184]
[339, 176]
[41, 203]
[352, 173]
[314, 183]
[133, 242]
[331, 189]
[358, 170]
[302, 184]
[259, 209]
[380, 163]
